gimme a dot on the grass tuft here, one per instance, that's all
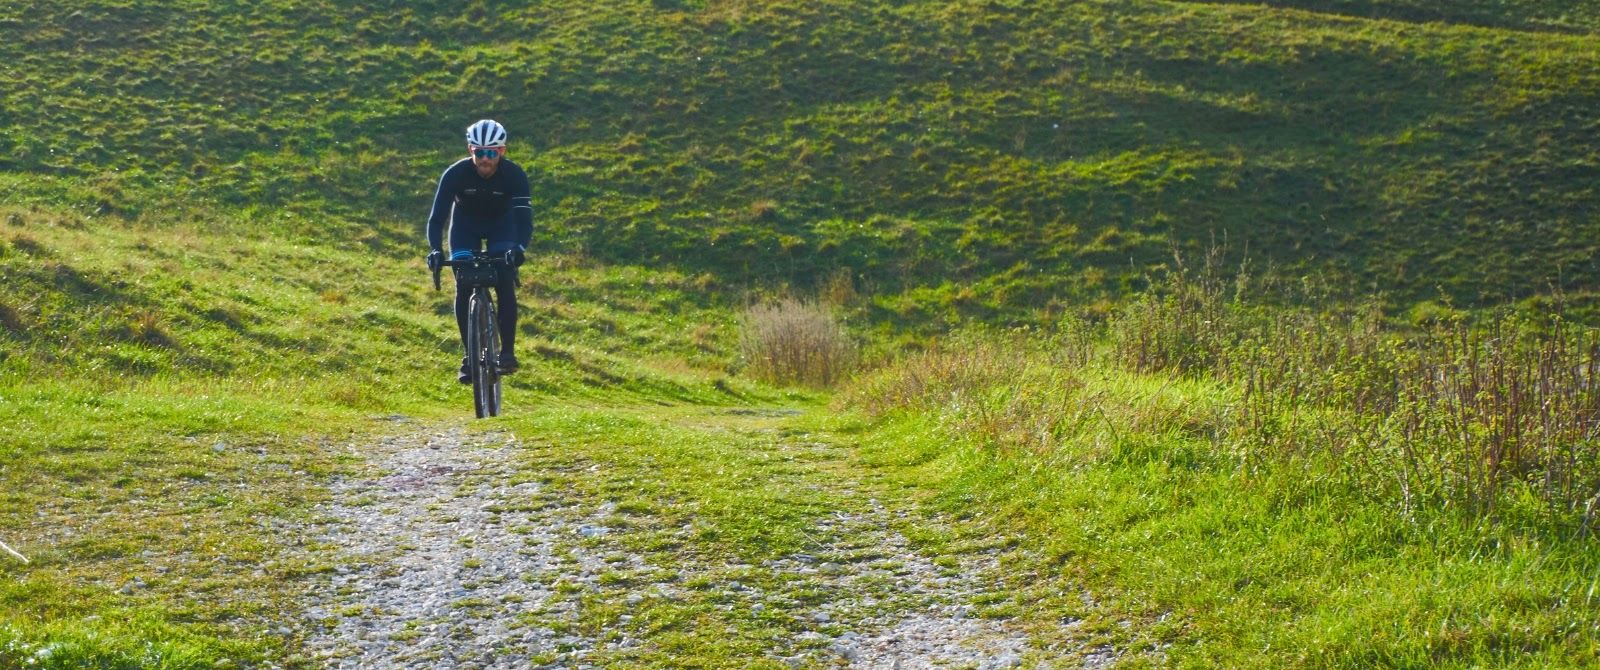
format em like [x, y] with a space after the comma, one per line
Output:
[795, 342]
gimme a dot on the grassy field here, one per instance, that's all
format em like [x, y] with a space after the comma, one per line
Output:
[210, 275]
[171, 399]
[980, 159]
[1257, 533]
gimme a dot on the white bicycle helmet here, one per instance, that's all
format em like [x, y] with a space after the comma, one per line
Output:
[486, 133]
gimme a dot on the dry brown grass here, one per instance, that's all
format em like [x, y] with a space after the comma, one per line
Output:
[1498, 416]
[839, 289]
[795, 342]
[1502, 409]
[1011, 391]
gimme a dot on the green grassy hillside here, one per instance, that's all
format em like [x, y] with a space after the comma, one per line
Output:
[1037, 151]
[1571, 16]
[172, 399]
[113, 307]
[210, 254]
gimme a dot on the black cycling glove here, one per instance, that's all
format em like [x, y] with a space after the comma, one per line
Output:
[435, 260]
[516, 256]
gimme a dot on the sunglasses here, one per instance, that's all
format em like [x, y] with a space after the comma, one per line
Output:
[481, 152]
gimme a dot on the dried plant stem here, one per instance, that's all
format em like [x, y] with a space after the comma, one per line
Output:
[1588, 516]
[13, 552]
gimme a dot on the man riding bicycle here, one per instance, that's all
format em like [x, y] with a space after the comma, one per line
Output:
[487, 199]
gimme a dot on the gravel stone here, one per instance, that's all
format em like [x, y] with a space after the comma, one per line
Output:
[431, 549]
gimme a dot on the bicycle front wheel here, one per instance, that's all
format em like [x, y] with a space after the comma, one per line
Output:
[485, 347]
[492, 357]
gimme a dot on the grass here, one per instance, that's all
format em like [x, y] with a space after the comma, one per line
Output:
[1224, 520]
[744, 497]
[174, 401]
[986, 159]
[1262, 572]
[208, 245]
[727, 489]
[730, 490]
[1564, 16]
[795, 342]
[148, 513]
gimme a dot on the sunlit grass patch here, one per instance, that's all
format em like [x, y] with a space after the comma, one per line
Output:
[1167, 493]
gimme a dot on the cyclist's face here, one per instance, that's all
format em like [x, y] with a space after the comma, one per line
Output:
[486, 159]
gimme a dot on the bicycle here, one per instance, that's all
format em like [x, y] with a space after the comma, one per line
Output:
[483, 333]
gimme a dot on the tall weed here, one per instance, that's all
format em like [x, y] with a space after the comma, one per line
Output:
[795, 342]
[1478, 415]
[1498, 416]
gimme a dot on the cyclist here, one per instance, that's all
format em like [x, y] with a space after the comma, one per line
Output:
[487, 199]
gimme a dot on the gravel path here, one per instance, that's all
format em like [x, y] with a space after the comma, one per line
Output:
[897, 608]
[450, 565]
[454, 560]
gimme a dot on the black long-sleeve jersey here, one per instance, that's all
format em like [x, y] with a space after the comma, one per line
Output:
[465, 196]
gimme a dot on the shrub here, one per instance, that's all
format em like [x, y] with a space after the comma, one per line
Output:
[795, 342]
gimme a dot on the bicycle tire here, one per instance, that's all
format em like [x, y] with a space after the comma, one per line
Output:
[475, 354]
[481, 364]
[491, 329]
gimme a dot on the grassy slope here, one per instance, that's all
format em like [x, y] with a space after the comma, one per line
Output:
[170, 398]
[1566, 16]
[1233, 561]
[1038, 151]
[210, 214]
